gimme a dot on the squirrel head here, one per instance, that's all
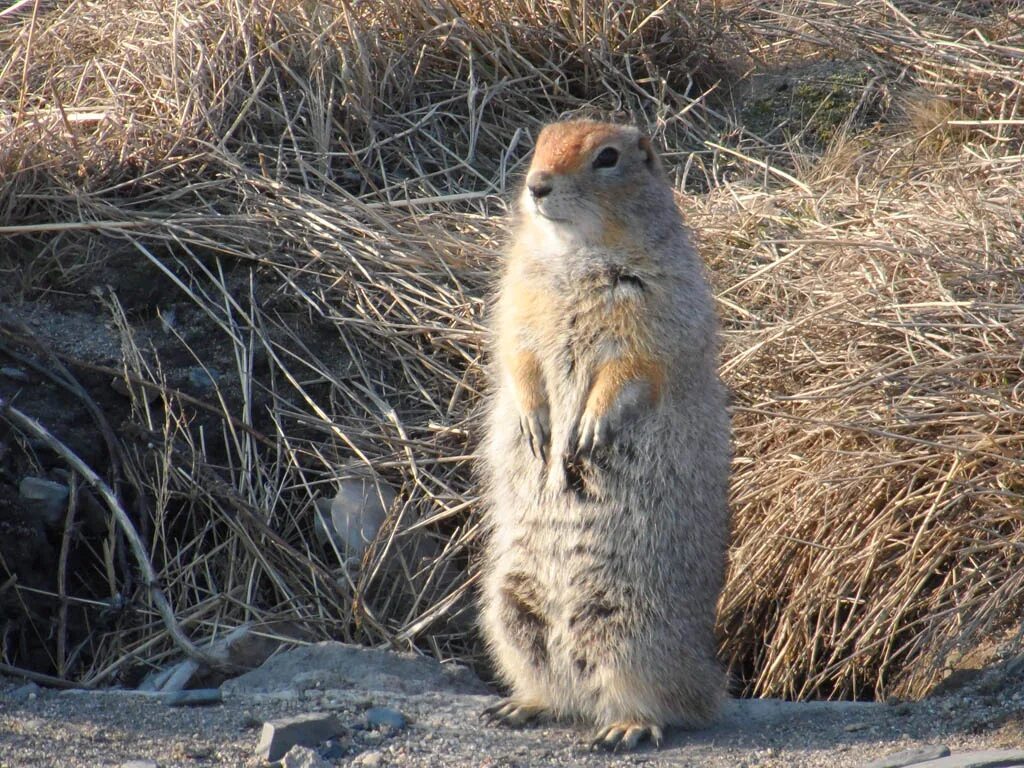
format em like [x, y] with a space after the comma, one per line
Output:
[590, 181]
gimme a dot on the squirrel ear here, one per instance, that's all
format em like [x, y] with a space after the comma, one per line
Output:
[651, 160]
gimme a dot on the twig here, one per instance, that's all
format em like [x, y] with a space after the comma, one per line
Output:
[37, 430]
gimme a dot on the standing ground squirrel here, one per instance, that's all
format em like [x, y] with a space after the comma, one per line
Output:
[606, 455]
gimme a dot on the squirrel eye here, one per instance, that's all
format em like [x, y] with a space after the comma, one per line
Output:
[606, 158]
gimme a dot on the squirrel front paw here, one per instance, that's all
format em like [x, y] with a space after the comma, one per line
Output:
[535, 427]
[601, 428]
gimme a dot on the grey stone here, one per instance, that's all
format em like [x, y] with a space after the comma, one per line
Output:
[306, 730]
[195, 697]
[242, 648]
[334, 749]
[739, 713]
[332, 665]
[51, 498]
[910, 756]
[352, 518]
[180, 676]
[381, 717]
[147, 394]
[373, 759]
[303, 757]
[168, 319]
[32, 725]
[987, 758]
[155, 680]
[203, 379]
[24, 693]
[15, 373]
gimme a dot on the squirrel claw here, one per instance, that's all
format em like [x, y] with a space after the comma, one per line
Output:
[536, 429]
[591, 433]
[625, 736]
[512, 712]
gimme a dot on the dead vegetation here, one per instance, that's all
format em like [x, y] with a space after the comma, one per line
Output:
[323, 185]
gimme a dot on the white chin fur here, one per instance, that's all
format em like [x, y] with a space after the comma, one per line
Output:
[559, 229]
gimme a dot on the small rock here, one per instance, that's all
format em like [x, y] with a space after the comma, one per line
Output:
[155, 680]
[23, 693]
[333, 749]
[910, 756]
[147, 394]
[372, 759]
[203, 379]
[168, 319]
[243, 648]
[15, 373]
[303, 757]
[51, 497]
[352, 518]
[988, 758]
[180, 676]
[32, 725]
[196, 697]
[854, 727]
[306, 730]
[385, 717]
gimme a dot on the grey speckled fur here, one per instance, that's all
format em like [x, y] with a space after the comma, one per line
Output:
[601, 575]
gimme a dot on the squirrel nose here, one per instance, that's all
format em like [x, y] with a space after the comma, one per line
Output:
[539, 184]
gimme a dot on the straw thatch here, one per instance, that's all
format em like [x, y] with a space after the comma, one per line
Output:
[324, 186]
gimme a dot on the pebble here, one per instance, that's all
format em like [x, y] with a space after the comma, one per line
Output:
[23, 693]
[196, 697]
[155, 680]
[32, 725]
[180, 676]
[305, 730]
[987, 758]
[52, 497]
[303, 757]
[203, 379]
[352, 518]
[149, 394]
[910, 756]
[334, 749]
[15, 373]
[372, 759]
[380, 717]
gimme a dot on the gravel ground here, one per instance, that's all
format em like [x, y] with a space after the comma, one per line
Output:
[110, 728]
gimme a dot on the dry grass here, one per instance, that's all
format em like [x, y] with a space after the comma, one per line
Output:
[326, 183]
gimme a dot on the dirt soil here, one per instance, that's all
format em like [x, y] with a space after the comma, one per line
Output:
[110, 728]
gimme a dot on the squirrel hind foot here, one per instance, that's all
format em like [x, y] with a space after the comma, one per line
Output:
[513, 713]
[624, 736]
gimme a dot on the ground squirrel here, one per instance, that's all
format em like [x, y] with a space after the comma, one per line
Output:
[606, 454]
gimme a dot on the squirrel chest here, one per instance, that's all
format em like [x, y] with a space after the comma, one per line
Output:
[595, 312]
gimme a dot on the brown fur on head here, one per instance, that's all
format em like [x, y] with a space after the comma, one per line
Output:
[588, 179]
[565, 147]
